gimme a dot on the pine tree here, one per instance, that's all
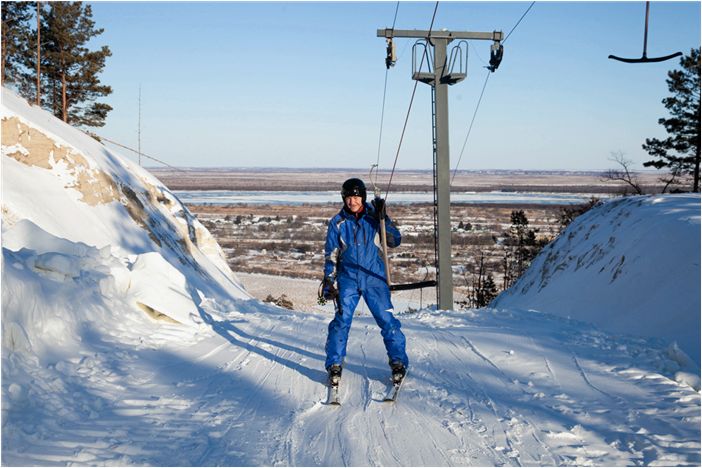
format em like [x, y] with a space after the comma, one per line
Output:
[70, 69]
[489, 291]
[26, 80]
[484, 288]
[476, 295]
[15, 34]
[524, 240]
[522, 247]
[680, 152]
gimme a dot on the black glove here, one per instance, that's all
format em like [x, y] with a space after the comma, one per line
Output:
[329, 291]
[379, 205]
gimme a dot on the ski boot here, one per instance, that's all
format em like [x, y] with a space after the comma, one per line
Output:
[398, 372]
[334, 379]
[334, 375]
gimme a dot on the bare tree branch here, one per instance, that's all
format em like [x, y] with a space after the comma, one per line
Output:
[624, 174]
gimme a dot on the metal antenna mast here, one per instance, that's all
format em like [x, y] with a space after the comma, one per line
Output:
[139, 127]
[440, 78]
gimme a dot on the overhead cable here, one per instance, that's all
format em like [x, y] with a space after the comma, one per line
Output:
[520, 20]
[385, 88]
[470, 127]
[414, 90]
[131, 149]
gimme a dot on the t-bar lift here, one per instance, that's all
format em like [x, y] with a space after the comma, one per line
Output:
[439, 79]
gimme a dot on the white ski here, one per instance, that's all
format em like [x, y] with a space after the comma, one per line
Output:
[333, 396]
[394, 390]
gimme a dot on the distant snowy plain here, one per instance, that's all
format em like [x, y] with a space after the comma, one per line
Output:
[127, 342]
[224, 197]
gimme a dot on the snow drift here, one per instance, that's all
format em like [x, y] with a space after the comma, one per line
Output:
[630, 265]
[74, 209]
[126, 340]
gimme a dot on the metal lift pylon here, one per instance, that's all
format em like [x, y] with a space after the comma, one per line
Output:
[440, 78]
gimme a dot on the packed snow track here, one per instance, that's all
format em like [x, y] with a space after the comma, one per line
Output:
[488, 388]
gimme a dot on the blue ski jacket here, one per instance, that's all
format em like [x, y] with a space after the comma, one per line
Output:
[353, 253]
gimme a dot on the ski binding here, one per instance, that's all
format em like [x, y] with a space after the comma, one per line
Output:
[394, 390]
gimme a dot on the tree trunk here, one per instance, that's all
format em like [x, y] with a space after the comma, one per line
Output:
[53, 96]
[2, 65]
[696, 182]
[4, 58]
[38, 54]
[64, 99]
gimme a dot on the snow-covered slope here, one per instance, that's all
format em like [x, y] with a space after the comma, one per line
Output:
[630, 265]
[78, 208]
[126, 341]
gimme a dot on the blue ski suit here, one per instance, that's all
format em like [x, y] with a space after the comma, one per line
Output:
[353, 257]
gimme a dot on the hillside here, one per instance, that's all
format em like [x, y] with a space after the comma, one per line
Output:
[127, 341]
[631, 265]
[67, 198]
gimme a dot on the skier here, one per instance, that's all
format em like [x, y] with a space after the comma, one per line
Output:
[353, 259]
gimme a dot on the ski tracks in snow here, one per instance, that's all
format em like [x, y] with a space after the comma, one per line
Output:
[486, 388]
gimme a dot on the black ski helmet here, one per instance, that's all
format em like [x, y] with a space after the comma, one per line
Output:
[354, 187]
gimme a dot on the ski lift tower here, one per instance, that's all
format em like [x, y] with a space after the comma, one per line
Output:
[439, 79]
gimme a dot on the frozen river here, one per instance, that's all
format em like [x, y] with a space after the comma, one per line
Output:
[227, 197]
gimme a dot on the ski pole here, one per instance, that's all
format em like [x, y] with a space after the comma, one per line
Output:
[383, 234]
[384, 242]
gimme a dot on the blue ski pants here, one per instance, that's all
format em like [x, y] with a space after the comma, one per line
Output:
[380, 305]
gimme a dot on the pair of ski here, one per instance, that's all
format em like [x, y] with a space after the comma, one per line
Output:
[391, 394]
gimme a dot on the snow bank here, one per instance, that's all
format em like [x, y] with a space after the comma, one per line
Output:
[74, 209]
[50, 299]
[630, 265]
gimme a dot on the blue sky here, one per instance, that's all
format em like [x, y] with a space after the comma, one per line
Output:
[286, 84]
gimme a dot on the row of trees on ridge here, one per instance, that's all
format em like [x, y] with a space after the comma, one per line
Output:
[46, 59]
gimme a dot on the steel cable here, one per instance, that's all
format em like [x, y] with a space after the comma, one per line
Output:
[409, 110]
[385, 88]
[470, 127]
[475, 113]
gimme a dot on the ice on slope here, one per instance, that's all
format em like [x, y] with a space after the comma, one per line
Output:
[630, 265]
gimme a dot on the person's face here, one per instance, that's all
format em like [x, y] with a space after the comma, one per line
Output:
[353, 203]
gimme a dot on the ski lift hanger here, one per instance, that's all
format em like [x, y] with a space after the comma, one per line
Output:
[393, 287]
[644, 58]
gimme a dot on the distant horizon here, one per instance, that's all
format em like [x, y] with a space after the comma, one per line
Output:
[383, 171]
[273, 83]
